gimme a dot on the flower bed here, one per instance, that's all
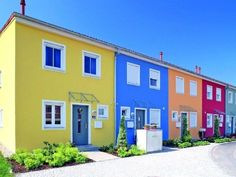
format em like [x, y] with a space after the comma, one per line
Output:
[5, 167]
[177, 142]
[52, 155]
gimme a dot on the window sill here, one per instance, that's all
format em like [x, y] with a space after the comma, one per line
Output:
[54, 69]
[133, 84]
[154, 88]
[91, 76]
[54, 128]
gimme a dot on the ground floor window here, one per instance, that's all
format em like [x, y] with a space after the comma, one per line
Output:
[53, 114]
[209, 120]
[155, 117]
[125, 111]
[193, 119]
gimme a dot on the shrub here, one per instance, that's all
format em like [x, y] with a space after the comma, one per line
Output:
[123, 152]
[134, 150]
[172, 142]
[20, 156]
[122, 138]
[81, 159]
[201, 143]
[32, 163]
[109, 148]
[222, 140]
[5, 167]
[184, 145]
[210, 139]
[186, 136]
[216, 128]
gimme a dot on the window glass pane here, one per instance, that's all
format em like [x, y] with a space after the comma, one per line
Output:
[49, 56]
[48, 114]
[86, 64]
[101, 111]
[93, 66]
[57, 115]
[57, 58]
[153, 82]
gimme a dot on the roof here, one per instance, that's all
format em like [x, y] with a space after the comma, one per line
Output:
[116, 48]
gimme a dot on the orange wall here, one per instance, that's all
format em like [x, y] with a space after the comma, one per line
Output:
[177, 101]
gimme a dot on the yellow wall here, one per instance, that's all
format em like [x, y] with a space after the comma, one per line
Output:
[33, 84]
[7, 92]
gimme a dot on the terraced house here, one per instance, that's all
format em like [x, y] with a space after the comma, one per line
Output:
[56, 86]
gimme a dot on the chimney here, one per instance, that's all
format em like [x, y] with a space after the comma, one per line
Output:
[196, 69]
[23, 4]
[199, 70]
[161, 56]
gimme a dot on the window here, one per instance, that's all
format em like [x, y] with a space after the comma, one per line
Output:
[179, 85]
[230, 97]
[174, 115]
[53, 56]
[209, 121]
[193, 88]
[218, 94]
[221, 120]
[102, 111]
[125, 111]
[154, 79]
[209, 92]
[54, 114]
[91, 64]
[1, 118]
[193, 119]
[155, 117]
[133, 74]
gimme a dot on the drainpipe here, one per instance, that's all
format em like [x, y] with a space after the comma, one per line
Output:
[115, 59]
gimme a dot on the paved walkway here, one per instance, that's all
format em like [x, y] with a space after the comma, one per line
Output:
[99, 156]
[190, 162]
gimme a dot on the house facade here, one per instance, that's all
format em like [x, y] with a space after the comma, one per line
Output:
[141, 95]
[230, 123]
[56, 86]
[213, 106]
[185, 100]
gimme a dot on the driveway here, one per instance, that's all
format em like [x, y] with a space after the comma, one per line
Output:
[190, 162]
[225, 157]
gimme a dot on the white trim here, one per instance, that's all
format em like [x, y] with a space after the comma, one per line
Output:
[144, 109]
[220, 91]
[195, 126]
[63, 55]
[176, 89]
[98, 64]
[62, 126]
[159, 112]
[181, 121]
[210, 114]
[172, 115]
[128, 110]
[158, 86]
[89, 120]
[106, 116]
[211, 88]
[139, 74]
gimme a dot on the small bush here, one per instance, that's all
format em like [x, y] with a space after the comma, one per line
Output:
[201, 143]
[20, 156]
[81, 159]
[210, 139]
[172, 142]
[222, 140]
[135, 151]
[184, 145]
[5, 167]
[123, 152]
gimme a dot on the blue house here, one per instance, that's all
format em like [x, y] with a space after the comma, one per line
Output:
[141, 95]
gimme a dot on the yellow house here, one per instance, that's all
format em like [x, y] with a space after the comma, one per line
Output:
[55, 85]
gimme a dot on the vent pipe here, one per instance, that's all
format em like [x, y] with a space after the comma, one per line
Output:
[161, 56]
[23, 4]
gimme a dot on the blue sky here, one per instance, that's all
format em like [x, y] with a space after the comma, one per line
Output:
[189, 32]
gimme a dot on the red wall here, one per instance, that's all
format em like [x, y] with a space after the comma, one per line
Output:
[209, 106]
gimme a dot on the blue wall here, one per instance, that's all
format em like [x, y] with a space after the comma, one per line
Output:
[140, 96]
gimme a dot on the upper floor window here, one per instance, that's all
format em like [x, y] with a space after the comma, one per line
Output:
[209, 92]
[218, 94]
[53, 114]
[154, 79]
[133, 74]
[179, 85]
[91, 64]
[53, 56]
[155, 117]
[230, 97]
[193, 88]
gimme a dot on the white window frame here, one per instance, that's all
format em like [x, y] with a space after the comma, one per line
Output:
[175, 119]
[61, 47]
[106, 111]
[53, 126]
[211, 96]
[191, 125]
[138, 74]
[211, 120]
[230, 100]
[127, 117]
[98, 64]
[192, 93]
[218, 91]
[1, 118]
[158, 118]
[176, 86]
[158, 86]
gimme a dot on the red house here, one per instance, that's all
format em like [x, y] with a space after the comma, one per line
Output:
[213, 106]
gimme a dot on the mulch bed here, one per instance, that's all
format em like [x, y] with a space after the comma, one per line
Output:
[17, 168]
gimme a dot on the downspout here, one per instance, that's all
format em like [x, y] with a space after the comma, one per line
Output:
[115, 58]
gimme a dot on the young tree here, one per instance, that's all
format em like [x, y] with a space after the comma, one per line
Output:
[186, 137]
[122, 138]
[216, 127]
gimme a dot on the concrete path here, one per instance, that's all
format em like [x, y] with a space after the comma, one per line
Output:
[98, 156]
[189, 162]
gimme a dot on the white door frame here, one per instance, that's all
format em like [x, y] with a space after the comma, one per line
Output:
[145, 114]
[181, 121]
[89, 120]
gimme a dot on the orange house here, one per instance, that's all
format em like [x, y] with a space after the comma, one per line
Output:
[185, 100]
